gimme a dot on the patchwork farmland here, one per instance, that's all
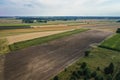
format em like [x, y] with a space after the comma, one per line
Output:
[54, 56]
[44, 50]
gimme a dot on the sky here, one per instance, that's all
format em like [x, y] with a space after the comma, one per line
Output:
[59, 7]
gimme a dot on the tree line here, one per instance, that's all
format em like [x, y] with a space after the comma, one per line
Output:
[33, 21]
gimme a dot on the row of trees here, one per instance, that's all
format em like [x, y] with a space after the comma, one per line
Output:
[53, 18]
[33, 21]
[84, 72]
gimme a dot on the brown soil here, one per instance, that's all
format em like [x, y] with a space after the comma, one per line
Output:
[46, 60]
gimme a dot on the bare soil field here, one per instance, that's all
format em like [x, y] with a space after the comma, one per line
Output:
[46, 60]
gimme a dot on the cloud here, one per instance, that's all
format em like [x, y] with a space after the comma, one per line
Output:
[60, 7]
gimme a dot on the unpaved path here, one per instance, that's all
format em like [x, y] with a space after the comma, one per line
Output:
[28, 36]
[46, 60]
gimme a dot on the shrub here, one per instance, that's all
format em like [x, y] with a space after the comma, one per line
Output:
[55, 78]
[65, 69]
[118, 30]
[106, 70]
[117, 77]
[80, 72]
[94, 74]
[85, 78]
[109, 77]
[83, 65]
[99, 77]
[75, 74]
[87, 53]
[87, 73]
[73, 78]
[98, 69]
[109, 69]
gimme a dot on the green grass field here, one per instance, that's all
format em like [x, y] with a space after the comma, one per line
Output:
[37, 41]
[112, 43]
[99, 57]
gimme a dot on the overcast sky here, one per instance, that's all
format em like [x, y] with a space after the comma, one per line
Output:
[59, 7]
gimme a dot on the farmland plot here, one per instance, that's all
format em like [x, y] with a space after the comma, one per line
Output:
[44, 61]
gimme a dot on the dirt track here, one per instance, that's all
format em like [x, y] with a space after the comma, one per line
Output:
[43, 61]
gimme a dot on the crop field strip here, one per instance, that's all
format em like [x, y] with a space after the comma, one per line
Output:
[37, 41]
[30, 36]
[11, 32]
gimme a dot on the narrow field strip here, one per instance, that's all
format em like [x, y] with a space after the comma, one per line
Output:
[37, 41]
[29, 36]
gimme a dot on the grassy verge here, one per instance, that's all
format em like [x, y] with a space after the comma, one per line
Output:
[37, 41]
[98, 58]
[112, 43]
